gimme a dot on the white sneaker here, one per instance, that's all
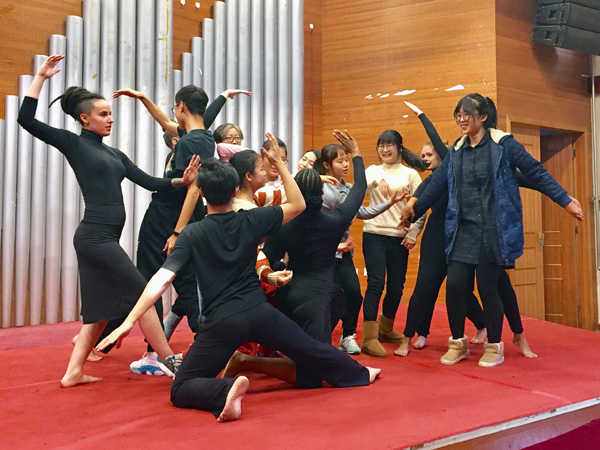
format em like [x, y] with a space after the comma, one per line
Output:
[348, 344]
[147, 365]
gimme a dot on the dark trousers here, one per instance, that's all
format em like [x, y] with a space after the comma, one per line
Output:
[307, 301]
[345, 277]
[195, 385]
[432, 272]
[383, 255]
[460, 276]
[157, 226]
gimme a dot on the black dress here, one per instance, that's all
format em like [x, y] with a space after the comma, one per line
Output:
[110, 283]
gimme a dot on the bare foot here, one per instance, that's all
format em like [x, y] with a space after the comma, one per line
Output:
[404, 347]
[479, 337]
[74, 380]
[420, 343]
[234, 365]
[373, 373]
[233, 404]
[92, 357]
[520, 341]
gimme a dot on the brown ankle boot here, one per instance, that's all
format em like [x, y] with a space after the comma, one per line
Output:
[493, 354]
[370, 344]
[457, 351]
[386, 331]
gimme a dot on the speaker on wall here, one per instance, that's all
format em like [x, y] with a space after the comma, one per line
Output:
[571, 24]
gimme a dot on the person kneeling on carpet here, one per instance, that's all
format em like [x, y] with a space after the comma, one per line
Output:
[222, 250]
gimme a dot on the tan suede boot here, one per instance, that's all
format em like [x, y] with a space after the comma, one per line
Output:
[370, 344]
[493, 354]
[457, 351]
[386, 331]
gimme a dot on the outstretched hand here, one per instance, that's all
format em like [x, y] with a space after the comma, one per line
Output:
[191, 171]
[128, 93]
[231, 93]
[574, 209]
[347, 142]
[116, 336]
[414, 109]
[48, 68]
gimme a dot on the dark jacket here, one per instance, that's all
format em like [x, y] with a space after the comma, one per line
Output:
[506, 156]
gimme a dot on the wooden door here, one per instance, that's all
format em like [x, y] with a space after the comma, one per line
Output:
[528, 276]
[560, 259]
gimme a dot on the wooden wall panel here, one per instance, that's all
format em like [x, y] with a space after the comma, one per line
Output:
[313, 71]
[386, 47]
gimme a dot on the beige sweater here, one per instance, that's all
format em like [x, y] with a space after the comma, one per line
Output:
[398, 176]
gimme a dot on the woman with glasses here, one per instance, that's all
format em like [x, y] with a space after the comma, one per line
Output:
[484, 219]
[385, 245]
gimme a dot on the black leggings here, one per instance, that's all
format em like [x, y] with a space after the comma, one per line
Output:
[345, 276]
[195, 385]
[431, 275]
[307, 301]
[383, 254]
[460, 276]
[156, 228]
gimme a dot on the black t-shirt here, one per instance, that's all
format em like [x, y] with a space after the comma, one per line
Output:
[222, 249]
[196, 142]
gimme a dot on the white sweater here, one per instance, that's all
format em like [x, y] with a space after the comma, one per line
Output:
[398, 176]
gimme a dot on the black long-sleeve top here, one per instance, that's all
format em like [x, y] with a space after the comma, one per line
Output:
[99, 168]
[311, 239]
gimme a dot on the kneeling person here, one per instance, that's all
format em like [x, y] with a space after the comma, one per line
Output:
[222, 249]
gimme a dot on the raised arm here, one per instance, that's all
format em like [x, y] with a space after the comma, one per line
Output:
[432, 133]
[59, 138]
[217, 104]
[350, 206]
[295, 201]
[158, 114]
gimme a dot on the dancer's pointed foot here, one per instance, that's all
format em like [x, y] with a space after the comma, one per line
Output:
[404, 347]
[480, 336]
[234, 365]
[233, 404]
[373, 374]
[420, 343]
[520, 341]
[77, 379]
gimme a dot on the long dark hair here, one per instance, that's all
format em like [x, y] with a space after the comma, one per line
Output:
[393, 137]
[327, 155]
[477, 104]
[76, 101]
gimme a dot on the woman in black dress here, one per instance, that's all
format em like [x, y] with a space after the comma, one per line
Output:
[110, 283]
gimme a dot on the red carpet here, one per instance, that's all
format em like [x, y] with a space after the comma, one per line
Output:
[416, 400]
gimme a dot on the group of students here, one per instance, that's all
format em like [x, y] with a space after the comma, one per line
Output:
[213, 250]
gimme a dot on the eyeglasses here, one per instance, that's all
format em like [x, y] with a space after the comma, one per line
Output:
[386, 146]
[233, 139]
[175, 106]
[459, 117]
